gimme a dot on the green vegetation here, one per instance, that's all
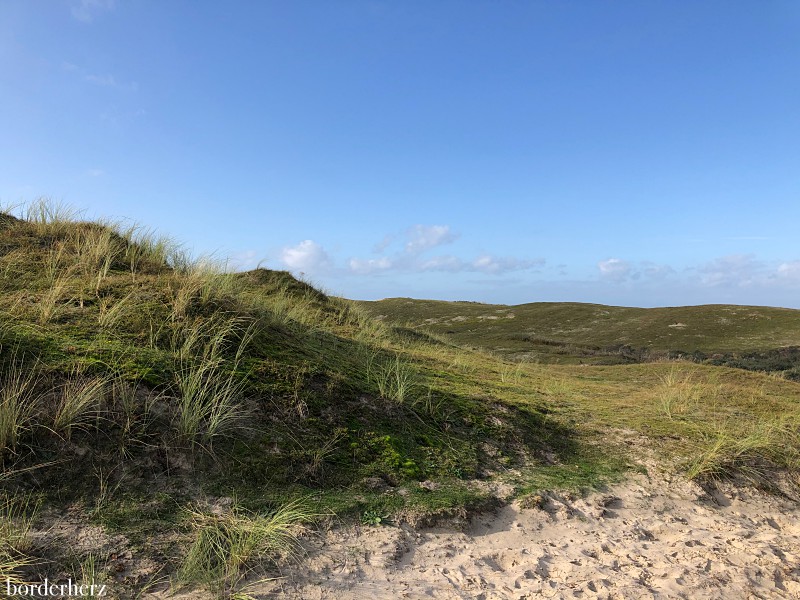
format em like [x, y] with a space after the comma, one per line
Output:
[206, 417]
[756, 337]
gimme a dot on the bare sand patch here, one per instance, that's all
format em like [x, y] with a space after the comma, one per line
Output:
[653, 536]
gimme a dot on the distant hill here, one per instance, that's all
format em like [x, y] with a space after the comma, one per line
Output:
[548, 330]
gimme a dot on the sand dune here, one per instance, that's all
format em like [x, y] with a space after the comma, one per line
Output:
[654, 536]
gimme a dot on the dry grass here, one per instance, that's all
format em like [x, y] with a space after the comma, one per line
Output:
[229, 543]
[18, 402]
[79, 402]
[17, 514]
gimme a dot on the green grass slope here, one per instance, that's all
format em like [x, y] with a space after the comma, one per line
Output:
[139, 384]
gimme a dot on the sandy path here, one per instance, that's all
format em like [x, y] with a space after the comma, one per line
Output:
[650, 537]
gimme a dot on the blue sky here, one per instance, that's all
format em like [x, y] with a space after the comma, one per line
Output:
[631, 153]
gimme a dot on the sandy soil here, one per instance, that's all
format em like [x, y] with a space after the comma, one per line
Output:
[654, 536]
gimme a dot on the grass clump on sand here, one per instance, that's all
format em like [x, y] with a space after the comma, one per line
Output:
[230, 542]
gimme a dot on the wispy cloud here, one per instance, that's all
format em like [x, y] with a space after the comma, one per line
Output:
[86, 10]
[245, 260]
[371, 265]
[383, 244]
[741, 270]
[108, 81]
[615, 269]
[495, 265]
[425, 237]
[413, 255]
[490, 265]
[790, 271]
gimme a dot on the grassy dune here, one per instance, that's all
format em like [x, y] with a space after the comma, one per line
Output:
[188, 423]
[573, 332]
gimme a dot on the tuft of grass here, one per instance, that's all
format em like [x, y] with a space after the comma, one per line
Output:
[51, 303]
[207, 385]
[227, 544]
[511, 373]
[678, 392]
[78, 403]
[91, 576]
[96, 247]
[18, 403]
[145, 249]
[395, 380]
[732, 450]
[112, 312]
[49, 218]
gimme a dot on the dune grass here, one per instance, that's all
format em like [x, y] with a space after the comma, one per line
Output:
[229, 543]
[209, 389]
[18, 401]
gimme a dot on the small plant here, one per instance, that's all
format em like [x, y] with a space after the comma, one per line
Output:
[134, 416]
[318, 455]
[92, 577]
[431, 406]
[374, 518]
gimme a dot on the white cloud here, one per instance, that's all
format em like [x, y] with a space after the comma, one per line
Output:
[85, 10]
[496, 265]
[371, 265]
[425, 237]
[307, 256]
[615, 269]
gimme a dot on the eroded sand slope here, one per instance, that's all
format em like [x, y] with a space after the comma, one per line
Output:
[654, 536]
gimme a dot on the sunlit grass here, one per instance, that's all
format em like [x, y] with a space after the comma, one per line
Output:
[230, 542]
